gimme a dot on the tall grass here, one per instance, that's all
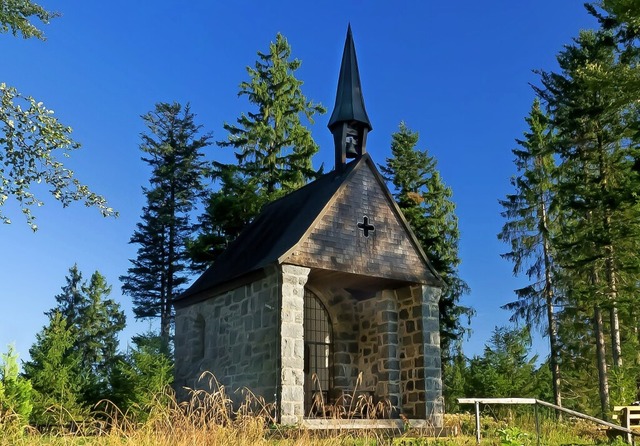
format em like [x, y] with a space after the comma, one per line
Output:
[211, 418]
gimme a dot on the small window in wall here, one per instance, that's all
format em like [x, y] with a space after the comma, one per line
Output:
[199, 330]
[317, 352]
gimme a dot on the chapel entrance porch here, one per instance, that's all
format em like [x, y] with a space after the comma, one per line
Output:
[364, 347]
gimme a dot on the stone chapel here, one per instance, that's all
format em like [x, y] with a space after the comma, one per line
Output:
[326, 294]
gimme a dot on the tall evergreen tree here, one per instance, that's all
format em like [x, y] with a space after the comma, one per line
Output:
[426, 203]
[94, 322]
[528, 231]
[53, 372]
[596, 192]
[273, 150]
[173, 151]
[506, 368]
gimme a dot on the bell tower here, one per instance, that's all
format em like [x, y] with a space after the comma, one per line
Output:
[349, 122]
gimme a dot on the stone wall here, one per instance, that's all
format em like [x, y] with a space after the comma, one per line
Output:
[392, 339]
[340, 306]
[420, 370]
[234, 336]
[293, 280]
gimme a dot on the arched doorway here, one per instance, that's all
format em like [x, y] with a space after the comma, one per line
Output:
[318, 348]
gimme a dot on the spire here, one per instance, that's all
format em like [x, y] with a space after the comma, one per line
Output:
[349, 122]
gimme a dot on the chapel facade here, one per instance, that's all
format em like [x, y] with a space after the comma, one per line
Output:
[325, 297]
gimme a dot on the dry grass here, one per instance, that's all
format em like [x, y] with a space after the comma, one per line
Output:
[210, 418]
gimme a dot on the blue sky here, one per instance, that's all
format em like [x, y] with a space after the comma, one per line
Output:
[456, 72]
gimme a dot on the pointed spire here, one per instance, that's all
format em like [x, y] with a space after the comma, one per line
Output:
[349, 101]
[349, 122]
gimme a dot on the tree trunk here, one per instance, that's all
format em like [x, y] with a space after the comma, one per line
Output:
[551, 320]
[616, 347]
[612, 285]
[603, 378]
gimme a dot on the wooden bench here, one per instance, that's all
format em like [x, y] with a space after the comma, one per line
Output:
[629, 417]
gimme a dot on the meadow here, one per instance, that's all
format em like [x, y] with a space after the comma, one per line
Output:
[210, 419]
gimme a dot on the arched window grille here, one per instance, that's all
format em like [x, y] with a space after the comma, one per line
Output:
[317, 352]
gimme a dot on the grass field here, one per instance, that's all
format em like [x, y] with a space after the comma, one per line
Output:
[209, 419]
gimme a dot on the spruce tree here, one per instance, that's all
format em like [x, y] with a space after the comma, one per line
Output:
[596, 193]
[529, 230]
[273, 150]
[172, 149]
[426, 203]
[16, 392]
[53, 372]
[93, 321]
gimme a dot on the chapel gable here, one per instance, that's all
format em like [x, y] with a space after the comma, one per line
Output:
[361, 231]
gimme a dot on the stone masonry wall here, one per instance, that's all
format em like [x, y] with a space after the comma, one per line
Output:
[420, 370]
[341, 307]
[378, 347]
[292, 282]
[234, 336]
[411, 352]
[432, 362]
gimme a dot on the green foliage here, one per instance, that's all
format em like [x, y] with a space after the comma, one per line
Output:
[273, 150]
[513, 436]
[144, 376]
[16, 392]
[31, 142]
[16, 16]
[529, 230]
[53, 374]
[172, 149]
[506, 368]
[73, 359]
[426, 203]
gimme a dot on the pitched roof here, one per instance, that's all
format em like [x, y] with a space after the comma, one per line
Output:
[280, 225]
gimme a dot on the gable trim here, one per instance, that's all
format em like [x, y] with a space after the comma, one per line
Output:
[366, 160]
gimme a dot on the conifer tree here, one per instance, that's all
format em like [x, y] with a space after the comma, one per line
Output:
[93, 321]
[53, 372]
[173, 151]
[426, 203]
[596, 192]
[273, 150]
[528, 231]
[16, 392]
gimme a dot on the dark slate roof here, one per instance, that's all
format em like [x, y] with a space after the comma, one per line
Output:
[278, 228]
[349, 101]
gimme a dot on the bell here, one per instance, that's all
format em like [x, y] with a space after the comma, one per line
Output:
[351, 151]
[350, 144]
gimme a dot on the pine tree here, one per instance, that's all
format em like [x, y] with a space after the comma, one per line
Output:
[143, 376]
[273, 150]
[16, 392]
[506, 368]
[426, 203]
[53, 372]
[596, 189]
[101, 319]
[93, 322]
[173, 148]
[528, 231]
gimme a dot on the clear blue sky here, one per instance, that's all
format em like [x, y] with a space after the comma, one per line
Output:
[456, 72]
